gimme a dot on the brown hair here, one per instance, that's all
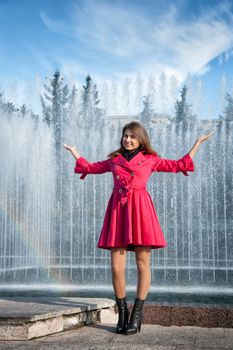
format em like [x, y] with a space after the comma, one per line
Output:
[139, 131]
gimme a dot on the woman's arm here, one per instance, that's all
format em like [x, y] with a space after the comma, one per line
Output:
[84, 167]
[198, 142]
[73, 151]
[183, 164]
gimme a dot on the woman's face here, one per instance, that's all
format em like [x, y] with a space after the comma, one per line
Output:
[130, 142]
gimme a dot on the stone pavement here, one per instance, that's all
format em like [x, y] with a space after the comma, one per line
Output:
[89, 324]
[103, 336]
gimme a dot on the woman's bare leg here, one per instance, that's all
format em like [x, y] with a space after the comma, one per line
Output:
[142, 255]
[118, 260]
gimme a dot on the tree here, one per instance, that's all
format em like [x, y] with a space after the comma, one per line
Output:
[226, 118]
[73, 108]
[55, 107]
[91, 112]
[8, 108]
[54, 112]
[147, 111]
[183, 114]
[23, 111]
[228, 111]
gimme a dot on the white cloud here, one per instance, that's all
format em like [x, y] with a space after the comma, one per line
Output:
[115, 40]
[109, 28]
[56, 26]
[127, 36]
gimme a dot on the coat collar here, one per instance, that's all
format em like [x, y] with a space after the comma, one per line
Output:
[120, 160]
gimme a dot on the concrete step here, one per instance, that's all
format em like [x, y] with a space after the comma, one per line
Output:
[24, 318]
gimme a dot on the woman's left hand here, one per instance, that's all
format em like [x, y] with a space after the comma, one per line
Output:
[203, 138]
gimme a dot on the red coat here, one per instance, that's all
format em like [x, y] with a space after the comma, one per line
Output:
[130, 218]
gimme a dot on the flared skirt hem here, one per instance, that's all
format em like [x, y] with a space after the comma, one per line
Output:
[131, 247]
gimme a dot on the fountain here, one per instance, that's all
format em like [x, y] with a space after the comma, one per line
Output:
[50, 219]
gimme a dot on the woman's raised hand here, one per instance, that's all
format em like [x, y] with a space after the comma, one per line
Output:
[198, 142]
[203, 138]
[70, 148]
[73, 150]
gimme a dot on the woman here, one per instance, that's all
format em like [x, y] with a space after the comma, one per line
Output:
[130, 222]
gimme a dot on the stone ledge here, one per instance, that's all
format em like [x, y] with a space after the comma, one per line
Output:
[28, 318]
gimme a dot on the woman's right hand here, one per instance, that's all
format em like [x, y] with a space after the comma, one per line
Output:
[70, 148]
[73, 150]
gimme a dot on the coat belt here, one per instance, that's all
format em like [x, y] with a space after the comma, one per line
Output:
[126, 190]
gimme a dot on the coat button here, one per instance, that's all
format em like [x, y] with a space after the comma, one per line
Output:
[132, 173]
[117, 176]
[120, 190]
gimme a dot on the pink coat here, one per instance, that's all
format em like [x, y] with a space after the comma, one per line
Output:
[130, 219]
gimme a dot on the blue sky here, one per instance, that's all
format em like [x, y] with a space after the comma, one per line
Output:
[112, 40]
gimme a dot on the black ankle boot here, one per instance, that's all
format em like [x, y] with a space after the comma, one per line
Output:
[135, 317]
[123, 313]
